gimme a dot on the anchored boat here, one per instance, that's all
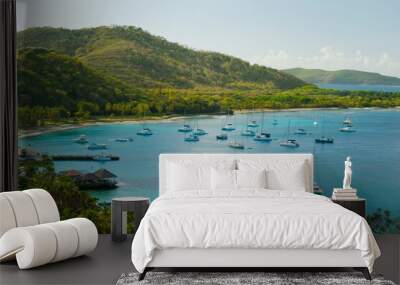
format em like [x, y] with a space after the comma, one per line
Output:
[347, 129]
[236, 145]
[324, 139]
[191, 138]
[145, 132]
[300, 131]
[95, 146]
[82, 140]
[290, 143]
[186, 128]
[222, 137]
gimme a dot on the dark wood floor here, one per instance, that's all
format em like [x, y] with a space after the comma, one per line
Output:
[110, 260]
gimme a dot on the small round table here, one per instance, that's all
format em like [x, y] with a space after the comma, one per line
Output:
[119, 208]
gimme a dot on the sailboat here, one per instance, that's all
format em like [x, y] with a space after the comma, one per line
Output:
[186, 128]
[289, 142]
[222, 136]
[323, 139]
[248, 133]
[236, 145]
[145, 131]
[263, 136]
[191, 138]
[228, 126]
[199, 132]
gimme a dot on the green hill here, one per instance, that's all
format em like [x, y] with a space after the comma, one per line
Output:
[140, 59]
[342, 77]
[49, 78]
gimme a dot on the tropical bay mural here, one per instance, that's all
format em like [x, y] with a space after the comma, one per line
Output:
[99, 103]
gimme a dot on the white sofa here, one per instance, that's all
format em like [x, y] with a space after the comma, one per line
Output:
[31, 231]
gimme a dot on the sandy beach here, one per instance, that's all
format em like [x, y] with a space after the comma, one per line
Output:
[163, 119]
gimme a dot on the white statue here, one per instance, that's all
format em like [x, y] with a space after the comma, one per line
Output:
[347, 174]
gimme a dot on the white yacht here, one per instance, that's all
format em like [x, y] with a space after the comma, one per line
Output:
[95, 146]
[145, 132]
[186, 128]
[82, 140]
[290, 143]
[228, 127]
[236, 145]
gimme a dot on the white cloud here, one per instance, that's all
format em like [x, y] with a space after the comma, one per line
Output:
[330, 58]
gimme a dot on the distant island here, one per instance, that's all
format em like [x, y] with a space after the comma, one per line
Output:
[345, 76]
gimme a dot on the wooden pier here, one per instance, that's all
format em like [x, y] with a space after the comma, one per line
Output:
[88, 157]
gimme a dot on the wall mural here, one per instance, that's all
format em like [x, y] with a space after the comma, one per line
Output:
[99, 102]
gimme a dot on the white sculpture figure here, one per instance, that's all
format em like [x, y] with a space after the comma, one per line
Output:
[347, 174]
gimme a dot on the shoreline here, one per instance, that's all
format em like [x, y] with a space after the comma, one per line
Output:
[166, 119]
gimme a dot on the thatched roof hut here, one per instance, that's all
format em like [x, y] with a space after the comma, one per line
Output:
[104, 174]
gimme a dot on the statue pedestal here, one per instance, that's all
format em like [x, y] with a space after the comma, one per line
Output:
[344, 194]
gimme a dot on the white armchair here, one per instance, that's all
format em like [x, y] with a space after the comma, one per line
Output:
[31, 230]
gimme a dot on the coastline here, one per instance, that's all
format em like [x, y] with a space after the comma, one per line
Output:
[165, 119]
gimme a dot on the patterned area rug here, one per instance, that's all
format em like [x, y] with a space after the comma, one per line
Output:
[243, 278]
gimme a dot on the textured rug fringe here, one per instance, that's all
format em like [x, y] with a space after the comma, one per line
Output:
[247, 278]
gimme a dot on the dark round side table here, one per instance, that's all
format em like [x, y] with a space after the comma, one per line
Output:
[119, 209]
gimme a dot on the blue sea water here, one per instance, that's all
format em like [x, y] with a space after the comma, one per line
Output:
[374, 148]
[354, 87]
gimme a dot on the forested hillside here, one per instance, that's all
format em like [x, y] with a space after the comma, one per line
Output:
[140, 59]
[110, 72]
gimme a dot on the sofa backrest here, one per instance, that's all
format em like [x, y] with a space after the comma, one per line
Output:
[26, 208]
[271, 158]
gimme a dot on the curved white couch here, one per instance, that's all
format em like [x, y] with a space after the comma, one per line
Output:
[31, 230]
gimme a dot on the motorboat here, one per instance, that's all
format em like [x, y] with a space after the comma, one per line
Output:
[124, 140]
[347, 122]
[222, 137]
[145, 132]
[102, 157]
[228, 127]
[95, 146]
[81, 140]
[347, 129]
[252, 124]
[324, 139]
[300, 132]
[263, 138]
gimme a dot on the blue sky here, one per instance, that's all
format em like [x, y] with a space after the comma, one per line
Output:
[327, 34]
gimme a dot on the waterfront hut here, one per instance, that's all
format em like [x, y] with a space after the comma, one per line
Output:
[71, 173]
[104, 174]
